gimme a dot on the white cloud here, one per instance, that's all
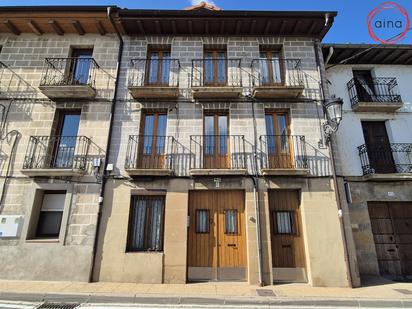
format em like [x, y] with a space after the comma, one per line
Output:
[194, 2]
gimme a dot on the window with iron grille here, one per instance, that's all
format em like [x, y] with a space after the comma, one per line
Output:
[146, 223]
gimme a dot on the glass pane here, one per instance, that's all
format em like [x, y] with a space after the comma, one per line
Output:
[161, 133]
[223, 134]
[276, 68]
[66, 142]
[284, 222]
[208, 68]
[221, 68]
[271, 145]
[138, 224]
[148, 134]
[209, 134]
[165, 69]
[81, 69]
[264, 68]
[155, 237]
[231, 221]
[283, 131]
[70, 125]
[202, 221]
[49, 224]
[154, 65]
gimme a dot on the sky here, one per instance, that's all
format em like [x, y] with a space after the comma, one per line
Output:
[350, 25]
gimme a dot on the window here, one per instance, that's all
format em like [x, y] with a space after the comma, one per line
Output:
[146, 223]
[271, 67]
[50, 215]
[216, 130]
[215, 67]
[158, 66]
[284, 222]
[231, 221]
[202, 221]
[153, 129]
[277, 131]
[80, 65]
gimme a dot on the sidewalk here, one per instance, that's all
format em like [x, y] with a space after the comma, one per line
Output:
[376, 292]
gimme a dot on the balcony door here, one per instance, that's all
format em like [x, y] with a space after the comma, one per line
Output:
[214, 68]
[278, 140]
[80, 66]
[152, 143]
[66, 139]
[158, 68]
[364, 85]
[271, 70]
[216, 140]
[378, 147]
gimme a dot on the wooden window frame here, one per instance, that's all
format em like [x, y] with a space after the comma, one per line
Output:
[147, 226]
[269, 52]
[196, 221]
[216, 114]
[160, 52]
[215, 63]
[75, 52]
[236, 232]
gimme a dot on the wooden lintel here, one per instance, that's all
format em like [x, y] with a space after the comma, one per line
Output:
[78, 27]
[100, 28]
[56, 27]
[13, 29]
[34, 27]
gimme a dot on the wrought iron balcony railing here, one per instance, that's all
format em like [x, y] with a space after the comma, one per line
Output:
[383, 160]
[154, 72]
[220, 72]
[57, 152]
[283, 152]
[150, 152]
[69, 72]
[378, 89]
[217, 152]
[276, 72]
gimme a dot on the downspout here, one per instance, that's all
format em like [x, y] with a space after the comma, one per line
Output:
[109, 140]
[329, 55]
[255, 179]
[335, 180]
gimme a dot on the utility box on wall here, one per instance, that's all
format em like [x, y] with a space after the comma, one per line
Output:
[10, 226]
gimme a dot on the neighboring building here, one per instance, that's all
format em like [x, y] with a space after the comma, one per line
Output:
[58, 68]
[374, 149]
[179, 204]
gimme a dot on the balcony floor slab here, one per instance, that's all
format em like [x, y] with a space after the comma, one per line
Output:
[218, 172]
[388, 177]
[52, 172]
[149, 172]
[154, 92]
[69, 92]
[285, 172]
[270, 92]
[216, 92]
[377, 106]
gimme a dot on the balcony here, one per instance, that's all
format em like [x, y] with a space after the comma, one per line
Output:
[380, 94]
[217, 155]
[149, 155]
[154, 78]
[69, 78]
[283, 155]
[55, 156]
[380, 162]
[216, 78]
[277, 78]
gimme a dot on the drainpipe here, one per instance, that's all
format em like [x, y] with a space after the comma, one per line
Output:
[329, 55]
[109, 140]
[255, 179]
[335, 180]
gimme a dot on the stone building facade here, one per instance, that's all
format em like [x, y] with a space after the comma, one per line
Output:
[375, 169]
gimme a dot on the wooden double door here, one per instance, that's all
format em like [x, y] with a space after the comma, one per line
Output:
[216, 235]
[288, 256]
[392, 232]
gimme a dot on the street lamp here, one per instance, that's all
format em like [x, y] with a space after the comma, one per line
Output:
[333, 111]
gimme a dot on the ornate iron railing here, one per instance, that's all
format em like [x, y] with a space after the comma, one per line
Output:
[217, 152]
[283, 152]
[150, 152]
[216, 73]
[272, 72]
[57, 152]
[69, 72]
[383, 160]
[154, 72]
[379, 89]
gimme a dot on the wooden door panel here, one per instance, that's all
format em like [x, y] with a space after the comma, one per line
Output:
[287, 250]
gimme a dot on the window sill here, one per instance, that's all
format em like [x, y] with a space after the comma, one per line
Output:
[39, 240]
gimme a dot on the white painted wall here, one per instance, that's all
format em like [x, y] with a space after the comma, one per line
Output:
[350, 135]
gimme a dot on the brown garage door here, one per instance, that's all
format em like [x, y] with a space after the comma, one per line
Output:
[392, 233]
[288, 257]
[216, 235]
